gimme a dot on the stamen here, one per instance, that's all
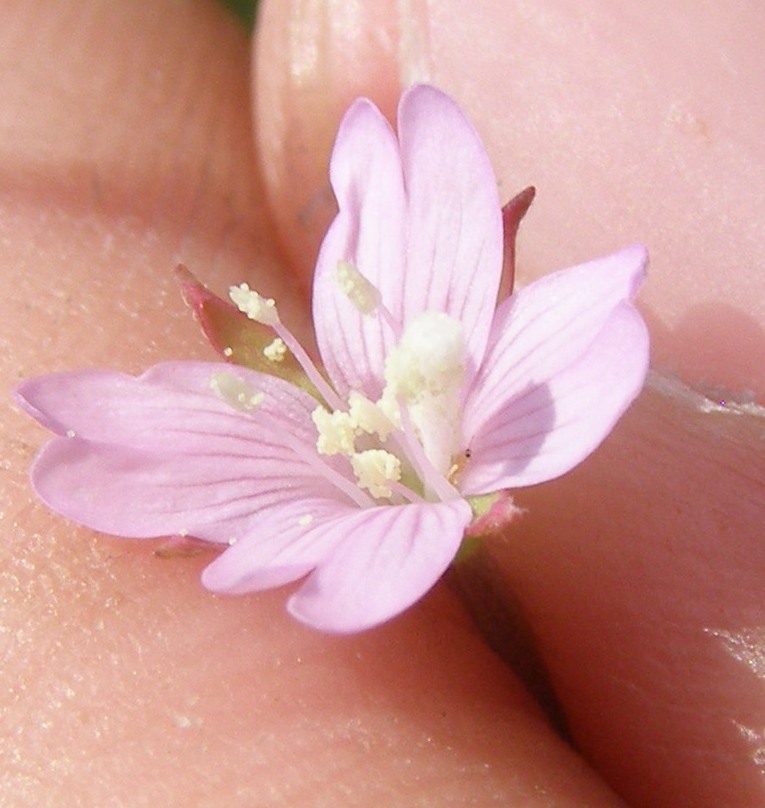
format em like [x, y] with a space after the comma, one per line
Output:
[323, 469]
[236, 392]
[359, 290]
[275, 351]
[405, 492]
[337, 432]
[375, 470]
[364, 295]
[431, 478]
[238, 395]
[338, 480]
[368, 416]
[318, 381]
[261, 309]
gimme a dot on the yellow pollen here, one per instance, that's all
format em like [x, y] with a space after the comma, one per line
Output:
[275, 351]
[375, 469]
[248, 301]
[369, 417]
[236, 392]
[358, 289]
[337, 432]
[306, 520]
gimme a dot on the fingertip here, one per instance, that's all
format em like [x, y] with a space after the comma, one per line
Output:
[310, 61]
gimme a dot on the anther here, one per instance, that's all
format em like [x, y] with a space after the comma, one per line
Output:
[236, 392]
[369, 417]
[261, 309]
[275, 351]
[376, 469]
[358, 289]
[337, 432]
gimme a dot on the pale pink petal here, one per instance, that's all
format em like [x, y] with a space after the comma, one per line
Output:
[163, 454]
[430, 238]
[212, 494]
[546, 326]
[454, 232]
[389, 557]
[172, 400]
[366, 177]
[283, 546]
[549, 426]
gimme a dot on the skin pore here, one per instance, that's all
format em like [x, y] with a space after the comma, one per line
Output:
[127, 146]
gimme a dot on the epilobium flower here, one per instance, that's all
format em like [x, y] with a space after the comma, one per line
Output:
[357, 478]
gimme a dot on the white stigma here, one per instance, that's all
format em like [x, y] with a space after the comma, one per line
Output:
[236, 392]
[375, 469]
[261, 309]
[358, 289]
[275, 351]
[429, 360]
[426, 371]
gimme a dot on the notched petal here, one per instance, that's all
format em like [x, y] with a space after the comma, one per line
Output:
[388, 558]
[550, 427]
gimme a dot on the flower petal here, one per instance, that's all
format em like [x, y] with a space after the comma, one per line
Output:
[422, 223]
[565, 351]
[389, 557]
[366, 177]
[172, 400]
[454, 234]
[551, 426]
[163, 454]
[214, 495]
[283, 546]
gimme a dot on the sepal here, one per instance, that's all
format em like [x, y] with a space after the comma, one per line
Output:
[236, 337]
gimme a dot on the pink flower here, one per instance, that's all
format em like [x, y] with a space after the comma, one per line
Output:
[359, 484]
